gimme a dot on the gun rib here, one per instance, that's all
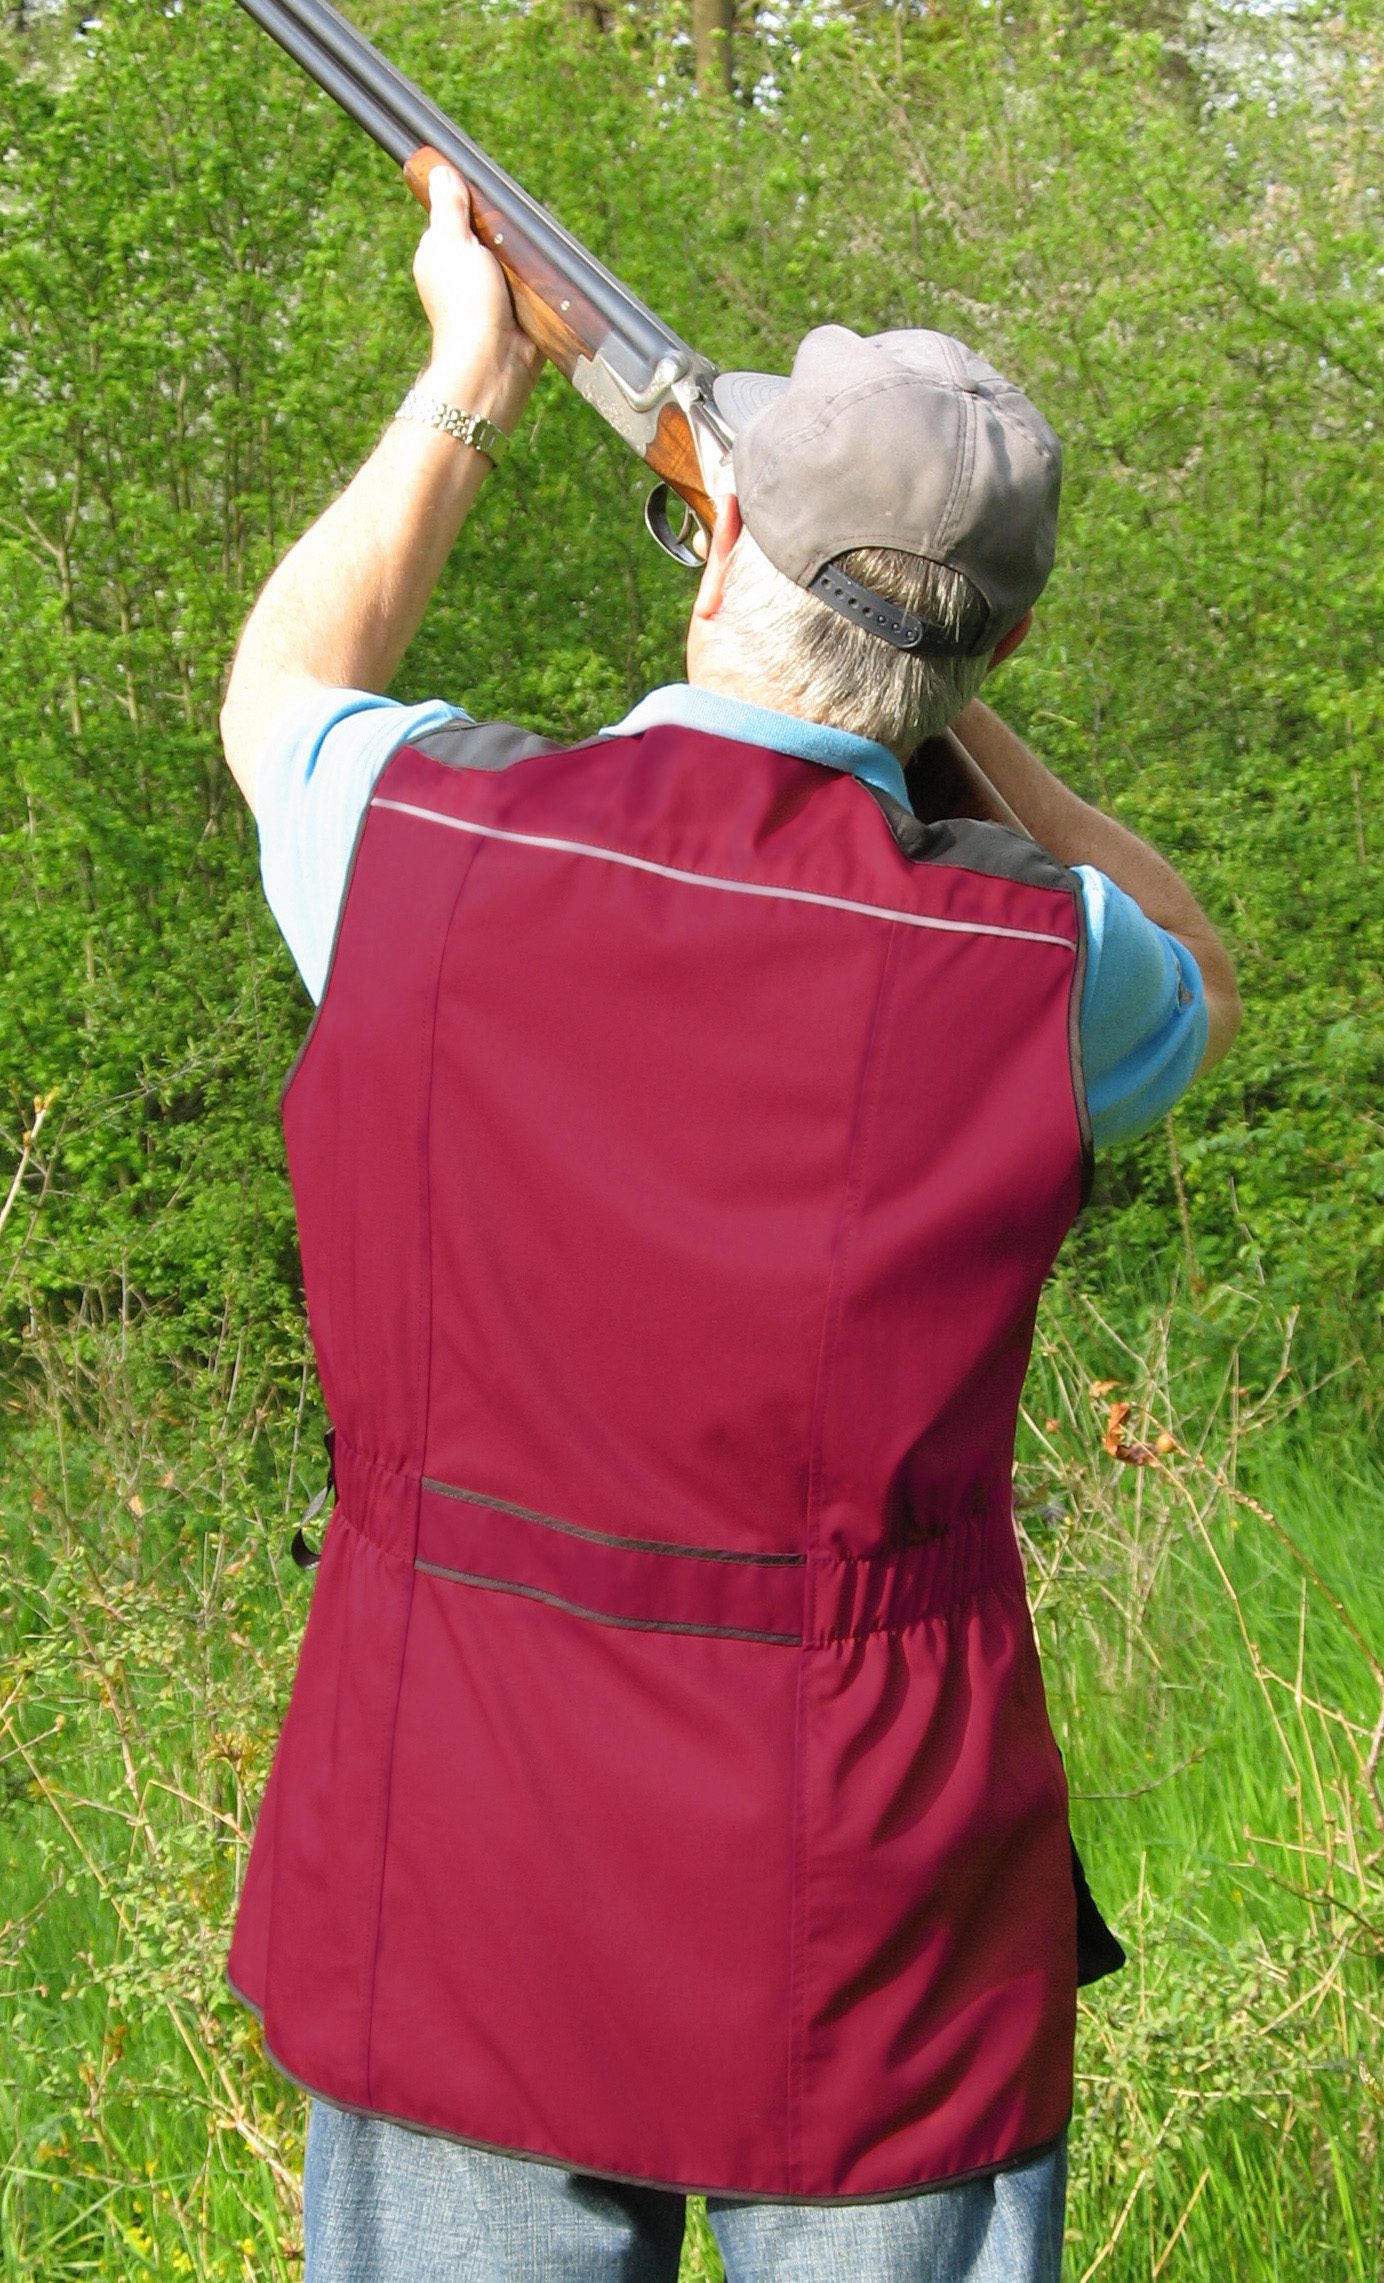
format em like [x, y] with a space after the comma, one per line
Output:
[342, 86]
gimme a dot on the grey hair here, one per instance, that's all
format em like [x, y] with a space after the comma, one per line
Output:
[808, 660]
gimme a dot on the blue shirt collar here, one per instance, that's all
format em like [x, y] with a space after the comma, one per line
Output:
[682, 706]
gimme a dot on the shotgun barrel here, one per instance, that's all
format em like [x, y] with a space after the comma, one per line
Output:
[642, 377]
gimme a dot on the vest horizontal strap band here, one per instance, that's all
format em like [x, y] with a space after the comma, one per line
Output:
[642, 1582]
[765, 889]
[799, 1599]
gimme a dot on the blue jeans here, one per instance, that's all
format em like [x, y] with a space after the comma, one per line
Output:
[385, 2205]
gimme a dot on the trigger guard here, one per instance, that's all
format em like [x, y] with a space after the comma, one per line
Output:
[659, 528]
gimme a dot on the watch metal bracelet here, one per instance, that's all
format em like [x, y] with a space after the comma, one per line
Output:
[467, 427]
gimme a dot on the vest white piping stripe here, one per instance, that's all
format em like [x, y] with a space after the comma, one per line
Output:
[710, 879]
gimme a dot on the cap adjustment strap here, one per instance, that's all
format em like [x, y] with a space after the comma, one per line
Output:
[902, 629]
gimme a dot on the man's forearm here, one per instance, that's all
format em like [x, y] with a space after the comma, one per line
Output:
[344, 604]
[1075, 833]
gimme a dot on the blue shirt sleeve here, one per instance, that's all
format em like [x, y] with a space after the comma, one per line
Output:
[1143, 1014]
[315, 778]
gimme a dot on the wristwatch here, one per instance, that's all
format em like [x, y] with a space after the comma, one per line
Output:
[468, 427]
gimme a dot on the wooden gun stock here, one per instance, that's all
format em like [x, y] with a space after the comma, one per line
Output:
[944, 780]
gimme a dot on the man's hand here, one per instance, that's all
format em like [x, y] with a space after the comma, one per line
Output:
[345, 603]
[481, 360]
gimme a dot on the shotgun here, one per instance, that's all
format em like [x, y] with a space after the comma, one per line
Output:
[667, 401]
[658, 394]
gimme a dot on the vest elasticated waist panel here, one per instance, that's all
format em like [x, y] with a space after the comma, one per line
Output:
[667, 1790]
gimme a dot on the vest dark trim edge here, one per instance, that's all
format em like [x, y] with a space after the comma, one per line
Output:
[997, 852]
[640, 2179]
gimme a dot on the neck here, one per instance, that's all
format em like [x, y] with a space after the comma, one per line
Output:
[721, 679]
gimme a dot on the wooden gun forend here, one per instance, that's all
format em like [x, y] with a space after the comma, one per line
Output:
[549, 308]
[567, 328]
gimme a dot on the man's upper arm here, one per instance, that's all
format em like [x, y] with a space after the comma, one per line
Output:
[1143, 1014]
[315, 779]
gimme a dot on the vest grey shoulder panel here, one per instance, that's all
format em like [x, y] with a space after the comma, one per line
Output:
[973, 846]
[482, 744]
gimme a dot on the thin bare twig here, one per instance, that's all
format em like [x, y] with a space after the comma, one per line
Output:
[43, 1103]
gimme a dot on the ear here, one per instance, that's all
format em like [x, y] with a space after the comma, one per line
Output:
[723, 537]
[1010, 644]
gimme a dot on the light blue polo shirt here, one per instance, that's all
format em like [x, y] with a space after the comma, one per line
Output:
[1143, 1010]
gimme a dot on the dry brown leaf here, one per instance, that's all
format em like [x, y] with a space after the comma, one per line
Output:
[1114, 1421]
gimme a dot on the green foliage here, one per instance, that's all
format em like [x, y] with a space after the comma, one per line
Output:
[1170, 232]
[1205, 1626]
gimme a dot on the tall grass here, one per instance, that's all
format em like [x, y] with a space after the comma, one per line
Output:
[149, 1631]
[1210, 1625]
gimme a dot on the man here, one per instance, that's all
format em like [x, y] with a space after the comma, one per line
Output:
[667, 1800]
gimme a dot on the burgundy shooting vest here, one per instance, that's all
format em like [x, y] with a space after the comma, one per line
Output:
[667, 1789]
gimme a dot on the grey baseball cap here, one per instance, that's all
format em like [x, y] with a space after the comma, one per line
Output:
[903, 440]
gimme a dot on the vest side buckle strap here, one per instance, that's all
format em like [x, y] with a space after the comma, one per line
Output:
[306, 1556]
